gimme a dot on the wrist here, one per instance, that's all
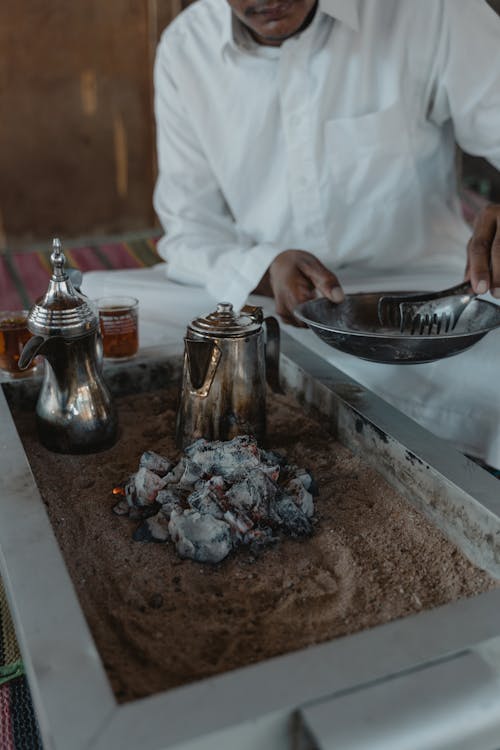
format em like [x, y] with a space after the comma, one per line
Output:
[264, 285]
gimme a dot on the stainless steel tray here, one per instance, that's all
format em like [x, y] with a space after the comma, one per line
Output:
[254, 706]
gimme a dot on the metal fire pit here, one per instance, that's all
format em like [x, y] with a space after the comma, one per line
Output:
[283, 702]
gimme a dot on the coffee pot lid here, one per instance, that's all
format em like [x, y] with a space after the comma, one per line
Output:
[62, 310]
[224, 321]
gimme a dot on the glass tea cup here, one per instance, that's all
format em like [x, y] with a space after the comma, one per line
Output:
[14, 334]
[118, 319]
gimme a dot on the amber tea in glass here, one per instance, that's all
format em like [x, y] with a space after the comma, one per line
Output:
[13, 336]
[119, 328]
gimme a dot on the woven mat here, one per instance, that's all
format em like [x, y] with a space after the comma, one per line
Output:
[18, 724]
[24, 276]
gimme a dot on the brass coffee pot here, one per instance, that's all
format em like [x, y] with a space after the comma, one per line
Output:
[227, 358]
[74, 411]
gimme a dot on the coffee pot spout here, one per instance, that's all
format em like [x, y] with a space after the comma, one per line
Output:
[33, 346]
[202, 360]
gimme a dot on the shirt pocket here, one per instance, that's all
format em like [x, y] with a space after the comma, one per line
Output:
[370, 157]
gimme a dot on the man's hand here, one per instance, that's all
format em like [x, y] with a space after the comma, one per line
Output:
[483, 252]
[295, 276]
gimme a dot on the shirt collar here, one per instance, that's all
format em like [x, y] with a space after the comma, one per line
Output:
[345, 11]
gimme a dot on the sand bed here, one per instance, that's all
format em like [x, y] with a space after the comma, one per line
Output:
[160, 622]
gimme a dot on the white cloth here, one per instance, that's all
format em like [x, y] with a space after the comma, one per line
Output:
[340, 142]
[457, 398]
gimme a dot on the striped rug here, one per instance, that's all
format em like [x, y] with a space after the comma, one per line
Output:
[24, 276]
[18, 724]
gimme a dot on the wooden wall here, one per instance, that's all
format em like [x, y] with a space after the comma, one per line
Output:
[76, 119]
[76, 125]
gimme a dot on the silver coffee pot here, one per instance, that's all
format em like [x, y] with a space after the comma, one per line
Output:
[74, 411]
[227, 358]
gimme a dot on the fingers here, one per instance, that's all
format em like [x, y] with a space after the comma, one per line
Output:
[483, 252]
[322, 279]
[295, 276]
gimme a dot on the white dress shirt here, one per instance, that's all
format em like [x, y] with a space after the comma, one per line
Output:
[340, 142]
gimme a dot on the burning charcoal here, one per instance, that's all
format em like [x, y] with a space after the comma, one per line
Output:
[272, 458]
[121, 508]
[301, 497]
[178, 473]
[168, 500]
[155, 463]
[233, 495]
[130, 492]
[290, 517]
[273, 472]
[252, 494]
[154, 529]
[240, 524]
[199, 445]
[205, 501]
[258, 538]
[216, 484]
[307, 481]
[185, 474]
[147, 486]
[192, 474]
[231, 459]
[199, 536]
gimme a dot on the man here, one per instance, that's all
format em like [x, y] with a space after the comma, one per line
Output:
[328, 129]
[300, 141]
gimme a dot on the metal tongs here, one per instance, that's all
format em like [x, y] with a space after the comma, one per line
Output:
[425, 313]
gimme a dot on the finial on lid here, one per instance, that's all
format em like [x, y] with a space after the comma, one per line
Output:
[62, 310]
[58, 260]
[224, 307]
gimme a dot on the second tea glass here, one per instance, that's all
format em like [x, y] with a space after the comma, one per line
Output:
[118, 319]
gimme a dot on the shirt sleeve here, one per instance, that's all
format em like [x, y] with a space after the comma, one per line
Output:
[467, 76]
[202, 243]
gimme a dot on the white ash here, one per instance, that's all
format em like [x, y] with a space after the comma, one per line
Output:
[143, 487]
[200, 536]
[168, 499]
[154, 528]
[220, 495]
[156, 463]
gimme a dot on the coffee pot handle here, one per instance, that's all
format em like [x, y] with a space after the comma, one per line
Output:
[253, 311]
[272, 347]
